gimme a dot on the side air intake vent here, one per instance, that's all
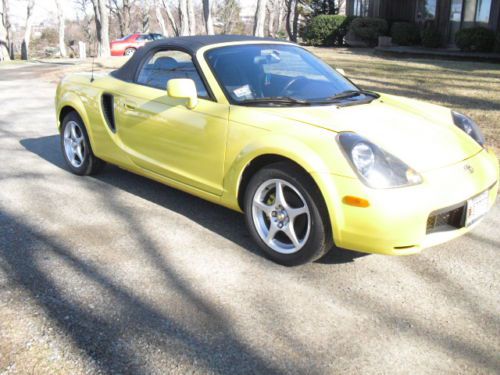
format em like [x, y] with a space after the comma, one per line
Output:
[108, 110]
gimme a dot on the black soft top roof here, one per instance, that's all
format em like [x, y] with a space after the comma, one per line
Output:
[189, 44]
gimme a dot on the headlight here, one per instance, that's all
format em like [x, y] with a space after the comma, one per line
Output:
[468, 126]
[376, 167]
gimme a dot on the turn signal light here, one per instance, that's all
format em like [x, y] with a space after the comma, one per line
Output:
[355, 201]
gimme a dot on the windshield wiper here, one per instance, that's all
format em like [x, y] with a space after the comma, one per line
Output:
[351, 94]
[275, 100]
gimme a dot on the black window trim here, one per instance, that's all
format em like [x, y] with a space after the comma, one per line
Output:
[151, 53]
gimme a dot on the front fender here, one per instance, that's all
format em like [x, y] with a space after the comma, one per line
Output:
[280, 145]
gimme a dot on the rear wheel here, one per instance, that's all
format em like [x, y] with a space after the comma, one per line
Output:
[76, 147]
[286, 215]
[129, 51]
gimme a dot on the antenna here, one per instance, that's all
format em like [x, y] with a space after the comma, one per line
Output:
[93, 57]
[92, 74]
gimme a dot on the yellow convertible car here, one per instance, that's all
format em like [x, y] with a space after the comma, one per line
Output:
[265, 127]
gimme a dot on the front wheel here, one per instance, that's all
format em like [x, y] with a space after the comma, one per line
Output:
[286, 215]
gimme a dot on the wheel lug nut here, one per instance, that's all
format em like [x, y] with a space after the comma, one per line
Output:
[280, 225]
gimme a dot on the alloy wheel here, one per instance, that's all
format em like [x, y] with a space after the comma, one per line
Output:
[281, 216]
[74, 144]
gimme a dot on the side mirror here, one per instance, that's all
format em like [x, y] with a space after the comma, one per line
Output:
[183, 88]
[341, 71]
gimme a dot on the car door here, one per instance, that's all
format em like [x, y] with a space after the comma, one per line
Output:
[162, 135]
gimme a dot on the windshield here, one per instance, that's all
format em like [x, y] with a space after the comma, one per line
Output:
[277, 73]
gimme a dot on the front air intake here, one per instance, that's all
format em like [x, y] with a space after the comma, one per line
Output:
[108, 110]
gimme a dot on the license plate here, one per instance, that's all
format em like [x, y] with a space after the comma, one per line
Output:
[477, 207]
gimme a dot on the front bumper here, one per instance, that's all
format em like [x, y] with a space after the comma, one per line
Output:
[396, 222]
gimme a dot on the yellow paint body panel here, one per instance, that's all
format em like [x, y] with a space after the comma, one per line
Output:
[205, 150]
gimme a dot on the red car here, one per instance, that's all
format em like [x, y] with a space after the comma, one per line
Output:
[127, 45]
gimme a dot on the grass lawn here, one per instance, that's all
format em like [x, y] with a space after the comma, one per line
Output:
[472, 88]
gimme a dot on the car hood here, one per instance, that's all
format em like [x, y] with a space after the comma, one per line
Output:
[420, 134]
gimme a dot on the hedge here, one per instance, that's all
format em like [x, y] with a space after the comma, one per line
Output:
[431, 37]
[326, 30]
[478, 39]
[497, 44]
[405, 33]
[369, 29]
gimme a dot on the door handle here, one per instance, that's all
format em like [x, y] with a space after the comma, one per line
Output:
[130, 106]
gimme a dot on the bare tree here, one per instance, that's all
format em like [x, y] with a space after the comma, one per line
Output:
[191, 17]
[121, 10]
[183, 11]
[86, 21]
[207, 16]
[5, 31]
[145, 16]
[260, 18]
[25, 46]
[292, 19]
[61, 23]
[102, 27]
[276, 13]
[171, 17]
[160, 19]
[271, 10]
[281, 15]
[228, 14]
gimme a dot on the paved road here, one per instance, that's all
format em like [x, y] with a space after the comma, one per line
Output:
[118, 274]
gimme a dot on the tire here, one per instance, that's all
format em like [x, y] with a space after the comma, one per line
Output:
[76, 149]
[300, 212]
[129, 52]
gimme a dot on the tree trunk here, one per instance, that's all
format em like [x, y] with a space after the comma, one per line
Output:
[292, 18]
[260, 18]
[61, 21]
[280, 16]
[191, 17]
[4, 27]
[114, 9]
[184, 17]
[25, 46]
[271, 9]
[102, 27]
[145, 17]
[207, 15]
[127, 6]
[171, 18]
[295, 24]
[160, 19]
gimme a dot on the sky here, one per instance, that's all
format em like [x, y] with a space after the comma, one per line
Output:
[46, 10]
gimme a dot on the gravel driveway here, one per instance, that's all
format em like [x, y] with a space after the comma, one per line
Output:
[119, 274]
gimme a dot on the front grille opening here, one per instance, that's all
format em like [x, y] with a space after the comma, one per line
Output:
[108, 109]
[441, 221]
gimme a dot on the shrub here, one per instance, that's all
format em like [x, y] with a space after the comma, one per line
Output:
[497, 44]
[431, 37]
[478, 39]
[326, 30]
[369, 29]
[405, 33]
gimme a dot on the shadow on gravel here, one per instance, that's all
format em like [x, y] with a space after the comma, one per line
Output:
[108, 335]
[225, 222]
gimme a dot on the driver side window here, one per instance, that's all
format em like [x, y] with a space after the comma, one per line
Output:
[166, 65]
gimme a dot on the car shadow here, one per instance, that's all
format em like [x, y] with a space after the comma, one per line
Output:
[225, 222]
